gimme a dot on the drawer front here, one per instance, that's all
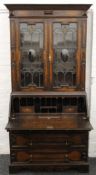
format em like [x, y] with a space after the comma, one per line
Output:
[28, 140]
[27, 156]
[49, 13]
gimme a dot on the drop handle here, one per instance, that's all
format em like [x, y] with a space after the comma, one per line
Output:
[67, 142]
[30, 143]
[30, 158]
[66, 158]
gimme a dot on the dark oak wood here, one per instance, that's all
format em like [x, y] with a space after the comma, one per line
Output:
[48, 121]
[50, 93]
[58, 122]
[49, 140]
[48, 6]
[50, 167]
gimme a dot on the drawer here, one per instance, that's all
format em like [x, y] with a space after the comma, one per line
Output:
[26, 156]
[28, 140]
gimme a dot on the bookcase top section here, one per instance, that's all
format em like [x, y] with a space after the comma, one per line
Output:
[84, 7]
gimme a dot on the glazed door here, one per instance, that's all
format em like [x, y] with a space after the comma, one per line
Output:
[64, 54]
[50, 54]
[32, 56]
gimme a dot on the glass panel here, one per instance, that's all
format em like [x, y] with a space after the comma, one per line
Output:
[31, 42]
[64, 43]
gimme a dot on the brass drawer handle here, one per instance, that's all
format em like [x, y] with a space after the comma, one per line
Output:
[67, 142]
[31, 156]
[66, 158]
[30, 143]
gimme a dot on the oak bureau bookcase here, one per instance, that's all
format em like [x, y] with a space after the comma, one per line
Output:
[48, 120]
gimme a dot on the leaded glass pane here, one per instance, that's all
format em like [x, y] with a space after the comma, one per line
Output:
[64, 43]
[31, 46]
